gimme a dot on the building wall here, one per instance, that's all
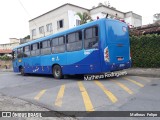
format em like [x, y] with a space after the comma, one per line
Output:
[51, 17]
[14, 40]
[72, 18]
[133, 19]
[104, 9]
[156, 18]
[9, 45]
[67, 13]
[100, 15]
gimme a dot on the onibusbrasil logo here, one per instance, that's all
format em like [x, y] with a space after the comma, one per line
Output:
[105, 75]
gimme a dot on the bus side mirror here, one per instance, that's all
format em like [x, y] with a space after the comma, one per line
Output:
[13, 55]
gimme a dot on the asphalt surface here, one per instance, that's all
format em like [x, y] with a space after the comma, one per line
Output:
[126, 93]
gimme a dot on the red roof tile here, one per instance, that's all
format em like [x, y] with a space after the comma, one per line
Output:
[5, 51]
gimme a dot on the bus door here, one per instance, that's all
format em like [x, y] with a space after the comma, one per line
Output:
[26, 59]
[14, 61]
[19, 61]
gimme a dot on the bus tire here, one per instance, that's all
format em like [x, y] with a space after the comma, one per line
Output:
[22, 71]
[57, 72]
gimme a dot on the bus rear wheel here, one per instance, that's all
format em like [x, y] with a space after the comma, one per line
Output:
[57, 72]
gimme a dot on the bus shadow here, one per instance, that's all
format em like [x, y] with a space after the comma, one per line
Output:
[66, 77]
[71, 77]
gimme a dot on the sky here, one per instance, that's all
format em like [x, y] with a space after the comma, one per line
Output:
[15, 14]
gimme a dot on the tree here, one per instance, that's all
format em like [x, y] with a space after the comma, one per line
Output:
[27, 37]
[84, 17]
[5, 58]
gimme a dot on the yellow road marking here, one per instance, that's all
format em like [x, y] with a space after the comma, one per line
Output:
[86, 98]
[110, 95]
[39, 95]
[59, 98]
[124, 87]
[145, 79]
[133, 81]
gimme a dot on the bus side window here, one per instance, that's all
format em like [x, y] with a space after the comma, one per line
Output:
[74, 41]
[20, 52]
[35, 49]
[91, 37]
[45, 47]
[27, 51]
[58, 44]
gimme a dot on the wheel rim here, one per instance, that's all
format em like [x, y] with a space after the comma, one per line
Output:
[57, 72]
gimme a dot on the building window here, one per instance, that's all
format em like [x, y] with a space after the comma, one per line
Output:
[60, 24]
[78, 22]
[49, 27]
[34, 32]
[41, 30]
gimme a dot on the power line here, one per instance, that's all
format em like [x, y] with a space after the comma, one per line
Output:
[26, 11]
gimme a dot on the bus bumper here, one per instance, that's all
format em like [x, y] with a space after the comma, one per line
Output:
[120, 66]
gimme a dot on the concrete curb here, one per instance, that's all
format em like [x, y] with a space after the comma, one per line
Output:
[6, 70]
[147, 72]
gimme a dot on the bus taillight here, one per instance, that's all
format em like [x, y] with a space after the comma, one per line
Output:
[106, 54]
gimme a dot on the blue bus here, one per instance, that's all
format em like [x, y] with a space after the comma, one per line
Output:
[96, 47]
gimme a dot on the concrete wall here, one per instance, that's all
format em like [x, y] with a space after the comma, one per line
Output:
[4, 63]
[133, 19]
[14, 40]
[105, 9]
[95, 15]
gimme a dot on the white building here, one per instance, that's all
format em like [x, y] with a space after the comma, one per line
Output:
[156, 18]
[14, 42]
[7, 47]
[64, 17]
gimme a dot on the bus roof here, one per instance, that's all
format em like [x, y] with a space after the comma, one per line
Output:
[65, 32]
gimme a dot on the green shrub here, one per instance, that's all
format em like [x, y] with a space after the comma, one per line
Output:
[145, 51]
[5, 58]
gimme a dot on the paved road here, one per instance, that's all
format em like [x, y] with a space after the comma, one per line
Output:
[74, 94]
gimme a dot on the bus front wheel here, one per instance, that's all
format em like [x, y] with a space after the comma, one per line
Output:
[57, 72]
[22, 71]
